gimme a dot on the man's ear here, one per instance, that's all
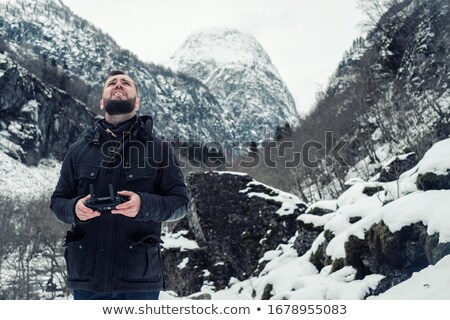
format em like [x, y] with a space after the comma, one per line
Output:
[101, 104]
[137, 104]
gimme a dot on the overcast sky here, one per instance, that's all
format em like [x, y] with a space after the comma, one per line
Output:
[305, 39]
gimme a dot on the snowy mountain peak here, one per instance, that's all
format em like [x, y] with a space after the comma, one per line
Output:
[239, 73]
[223, 47]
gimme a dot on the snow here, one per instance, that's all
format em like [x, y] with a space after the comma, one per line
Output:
[323, 204]
[294, 277]
[19, 180]
[429, 283]
[183, 263]
[231, 172]
[177, 240]
[289, 202]
[225, 46]
[436, 160]
[429, 207]
[410, 205]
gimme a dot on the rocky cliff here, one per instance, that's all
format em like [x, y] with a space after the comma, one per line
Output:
[38, 120]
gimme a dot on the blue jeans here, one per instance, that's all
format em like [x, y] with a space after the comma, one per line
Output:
[87, 295]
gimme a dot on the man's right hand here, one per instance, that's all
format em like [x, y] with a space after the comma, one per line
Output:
[84, 213]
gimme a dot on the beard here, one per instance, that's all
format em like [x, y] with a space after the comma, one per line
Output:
[116, 107]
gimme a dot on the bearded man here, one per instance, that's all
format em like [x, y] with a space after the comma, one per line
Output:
[113, 248]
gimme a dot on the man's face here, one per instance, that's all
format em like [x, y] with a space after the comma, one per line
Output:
[119, 95]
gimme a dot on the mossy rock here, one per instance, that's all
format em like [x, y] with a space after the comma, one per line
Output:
[319, 258]
[316, 258]
[386, 247]
[337, 264]
[435, 251]
[328, 234]
[355, 249]
[432, 181]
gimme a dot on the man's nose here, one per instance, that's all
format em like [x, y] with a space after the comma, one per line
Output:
[119, 85]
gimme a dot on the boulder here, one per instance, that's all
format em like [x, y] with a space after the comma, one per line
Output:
[234, 220]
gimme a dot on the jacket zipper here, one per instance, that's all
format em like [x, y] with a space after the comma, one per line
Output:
[115, 180]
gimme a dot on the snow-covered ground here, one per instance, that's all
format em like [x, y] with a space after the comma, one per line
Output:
[289, 276]
[20, 181]
[430, 283]
[399, 204]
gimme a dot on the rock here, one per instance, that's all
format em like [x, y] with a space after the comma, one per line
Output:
[392, 170]
[432, 181]
[235, 220]
[395, 255]
[39, 120]
[388, 282]
[267, 293]
[305, 238]
[201, 296]
[370, 191]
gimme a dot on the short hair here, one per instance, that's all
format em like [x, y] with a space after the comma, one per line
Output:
[116, 72]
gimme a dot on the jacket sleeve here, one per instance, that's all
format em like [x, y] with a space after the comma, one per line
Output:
[65, 197]
[171, 202]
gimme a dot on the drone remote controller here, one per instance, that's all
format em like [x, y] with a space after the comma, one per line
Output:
[105, 203]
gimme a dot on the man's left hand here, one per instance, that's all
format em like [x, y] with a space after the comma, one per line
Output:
[131, 207]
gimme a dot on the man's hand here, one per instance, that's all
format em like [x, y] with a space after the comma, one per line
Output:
[131, 207]
[84, 213]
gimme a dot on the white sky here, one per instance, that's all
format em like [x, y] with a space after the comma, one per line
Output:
[304, 38]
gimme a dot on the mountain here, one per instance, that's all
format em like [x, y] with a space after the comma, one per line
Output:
[239, 73]
[380, 229]
[46, 33]
[390, 95]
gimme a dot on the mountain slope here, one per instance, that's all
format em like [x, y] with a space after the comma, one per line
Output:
[371, 238]
[46, 31]
[38, 120]
[390, 95]
[237, 70]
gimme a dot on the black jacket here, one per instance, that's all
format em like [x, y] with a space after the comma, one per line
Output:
[114, 253]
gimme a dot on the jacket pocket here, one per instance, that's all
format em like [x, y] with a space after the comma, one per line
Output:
[85, 175]
[74, 255]
[143, 261]
[140, 178]
[86, 171]
[139, 172]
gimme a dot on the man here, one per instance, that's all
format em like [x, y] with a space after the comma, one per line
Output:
[115, 254]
